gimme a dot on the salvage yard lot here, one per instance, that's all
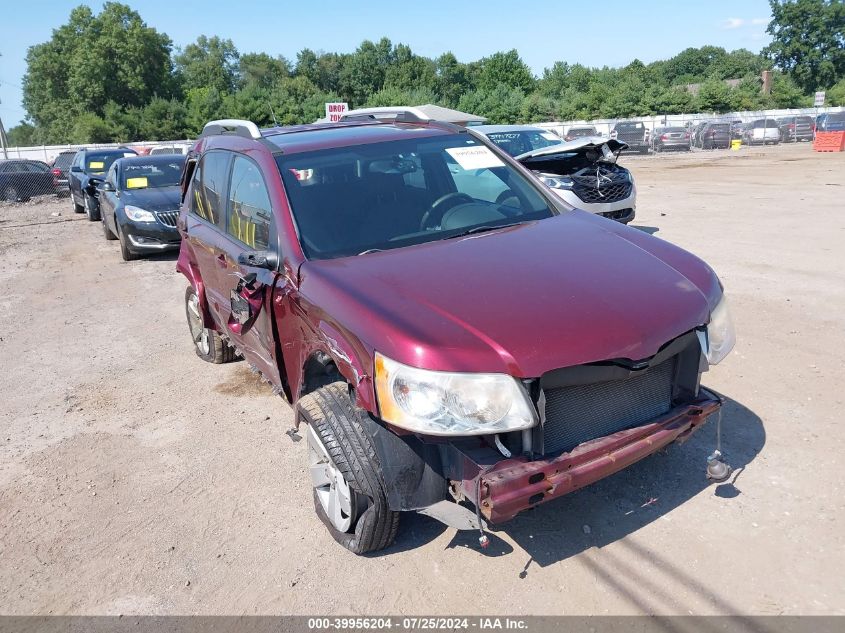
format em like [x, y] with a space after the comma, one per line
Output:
[134, 478]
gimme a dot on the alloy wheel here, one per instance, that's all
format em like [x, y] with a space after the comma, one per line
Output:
[198, 332]
[331, 488]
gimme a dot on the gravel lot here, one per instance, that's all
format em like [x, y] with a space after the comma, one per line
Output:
[135, 478]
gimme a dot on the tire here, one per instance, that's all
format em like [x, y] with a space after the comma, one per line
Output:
[11, 194]
[127, 255]
[93, 215]
[106, 230]
[208, 344]
[335, 433]
[77, 208]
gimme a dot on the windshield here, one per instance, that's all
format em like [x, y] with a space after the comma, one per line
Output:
[100, 163]
[152, 174]
[379, 196]
[519, 142]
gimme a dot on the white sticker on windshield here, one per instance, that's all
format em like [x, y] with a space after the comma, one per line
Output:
[550, 137]
[475, 157]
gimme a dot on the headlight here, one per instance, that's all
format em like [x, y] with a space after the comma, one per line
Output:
[556, 182]
[137, 214]
[720, 333]
[446, 403]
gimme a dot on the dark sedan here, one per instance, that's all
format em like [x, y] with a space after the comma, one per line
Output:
[60, 166]
[139, 204]
[87, 172]
[20, 180]
[666, 138]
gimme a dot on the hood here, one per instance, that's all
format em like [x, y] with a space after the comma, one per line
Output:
[522, 300]
[153, 199]
[578, 147]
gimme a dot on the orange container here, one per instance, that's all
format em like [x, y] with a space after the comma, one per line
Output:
[829, 142]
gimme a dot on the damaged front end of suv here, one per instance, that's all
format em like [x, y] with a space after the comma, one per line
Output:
[585, 174]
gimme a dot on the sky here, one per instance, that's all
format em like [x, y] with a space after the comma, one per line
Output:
[607, 33]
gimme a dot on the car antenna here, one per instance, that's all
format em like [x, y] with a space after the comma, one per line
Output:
[273, 114]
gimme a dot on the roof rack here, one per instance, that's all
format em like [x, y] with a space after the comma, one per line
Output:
[399, 113]
[236, 127]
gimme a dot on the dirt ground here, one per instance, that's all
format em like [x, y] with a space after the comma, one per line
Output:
[134, 478]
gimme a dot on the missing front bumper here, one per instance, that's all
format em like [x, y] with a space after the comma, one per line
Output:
[513, 485]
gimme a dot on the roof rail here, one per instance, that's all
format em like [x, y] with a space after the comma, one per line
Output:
[237, 127]
[399, 113]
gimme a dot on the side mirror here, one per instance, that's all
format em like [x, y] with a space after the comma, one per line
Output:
[106, 186]
[259, 259]
[76, 169]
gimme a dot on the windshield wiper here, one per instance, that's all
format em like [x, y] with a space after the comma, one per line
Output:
[480, 229]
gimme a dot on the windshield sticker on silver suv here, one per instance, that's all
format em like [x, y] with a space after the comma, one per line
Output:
[476, 157]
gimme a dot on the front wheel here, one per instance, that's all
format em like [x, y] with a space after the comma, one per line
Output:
[92, 213]
[350, 496]
[11, 194]
[208, 344]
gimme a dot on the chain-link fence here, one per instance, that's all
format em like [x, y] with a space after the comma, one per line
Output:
[748, 127]
[28, 173]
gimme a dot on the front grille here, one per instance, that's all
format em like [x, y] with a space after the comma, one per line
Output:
[608, 184]
[576, 414]
[168, 218]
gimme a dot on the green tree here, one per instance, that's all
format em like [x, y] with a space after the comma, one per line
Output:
[451, 79]
[164, 120]
[203, 105]
[502, 104]
[409, 71]
[261, 70]
[506, 69]
[210, 62]
[835, 96]
[714, 95]
[363, 72]
[22, 135]
[90, 61]
[808, 41]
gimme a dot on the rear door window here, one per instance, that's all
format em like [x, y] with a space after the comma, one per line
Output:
[209, 187]
[250, 214]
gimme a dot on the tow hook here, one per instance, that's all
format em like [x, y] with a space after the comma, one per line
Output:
[483, 541]
[717, 469]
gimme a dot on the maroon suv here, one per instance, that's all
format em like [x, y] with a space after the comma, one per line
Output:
[448, 330]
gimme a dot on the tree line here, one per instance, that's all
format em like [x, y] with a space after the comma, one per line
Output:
[110, 77]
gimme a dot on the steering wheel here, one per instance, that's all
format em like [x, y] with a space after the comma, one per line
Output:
[438, 208]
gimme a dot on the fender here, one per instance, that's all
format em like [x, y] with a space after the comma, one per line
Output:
[351, 359]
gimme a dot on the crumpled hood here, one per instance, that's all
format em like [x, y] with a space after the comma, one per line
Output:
[578, 147]
[153, 199]
[523, 300]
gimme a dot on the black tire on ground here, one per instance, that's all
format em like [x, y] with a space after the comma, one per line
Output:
[219, 351]
[337, 422]
[106, 230]
[93, 214]
[127, 255]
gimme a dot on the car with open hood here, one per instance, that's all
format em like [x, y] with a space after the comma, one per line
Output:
[582, 172]
[139, 204]
[454, 338]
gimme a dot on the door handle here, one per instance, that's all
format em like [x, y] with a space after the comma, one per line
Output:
[221, 261]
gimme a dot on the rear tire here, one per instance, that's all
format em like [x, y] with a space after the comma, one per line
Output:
[208, 344]
[11, 194]
[342, 460]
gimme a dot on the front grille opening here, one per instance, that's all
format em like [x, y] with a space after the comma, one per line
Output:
[578, 413]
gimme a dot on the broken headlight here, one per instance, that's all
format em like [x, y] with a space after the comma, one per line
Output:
[449, 403]
[556, 182]
[720, 333]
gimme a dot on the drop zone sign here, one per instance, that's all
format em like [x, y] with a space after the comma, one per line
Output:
[336, 110]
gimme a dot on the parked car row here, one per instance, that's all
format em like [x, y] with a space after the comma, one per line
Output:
[455, 338]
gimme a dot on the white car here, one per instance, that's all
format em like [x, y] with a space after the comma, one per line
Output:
[583, 172]
[761, 132]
